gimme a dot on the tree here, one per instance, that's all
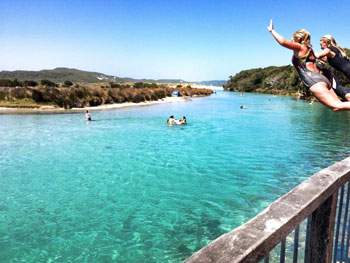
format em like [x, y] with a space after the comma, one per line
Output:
[16, 83]
[67, 84]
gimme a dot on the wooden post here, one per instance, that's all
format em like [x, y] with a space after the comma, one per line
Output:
[321, 232]
[331, 227]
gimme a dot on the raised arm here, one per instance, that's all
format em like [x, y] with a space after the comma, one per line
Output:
[323, 53]
[282, 41]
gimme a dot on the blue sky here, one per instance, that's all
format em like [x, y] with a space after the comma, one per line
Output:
[191, 40]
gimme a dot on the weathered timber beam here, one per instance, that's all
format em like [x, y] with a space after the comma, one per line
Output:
[256, 238]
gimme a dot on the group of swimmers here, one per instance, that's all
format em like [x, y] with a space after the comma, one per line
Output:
[320, 81]
[172, 120]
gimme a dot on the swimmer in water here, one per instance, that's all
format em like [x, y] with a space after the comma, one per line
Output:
[182, 121]
[171, 120]
[87, 116]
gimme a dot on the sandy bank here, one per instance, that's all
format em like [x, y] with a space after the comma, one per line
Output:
[53, 109]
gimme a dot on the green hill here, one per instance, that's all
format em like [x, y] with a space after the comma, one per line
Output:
[74, 75]
[273, 80]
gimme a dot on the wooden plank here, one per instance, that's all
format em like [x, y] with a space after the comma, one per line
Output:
[256, 238]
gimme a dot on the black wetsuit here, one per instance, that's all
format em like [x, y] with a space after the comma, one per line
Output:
[337, 87]
[339, 62]
[308, 77]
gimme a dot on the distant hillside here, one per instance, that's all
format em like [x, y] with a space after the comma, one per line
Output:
[75, 75]
[57, 75]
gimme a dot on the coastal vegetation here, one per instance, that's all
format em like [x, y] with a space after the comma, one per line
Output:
[79, 96]
[283, 80]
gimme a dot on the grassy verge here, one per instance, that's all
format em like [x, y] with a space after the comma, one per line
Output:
[22, 103]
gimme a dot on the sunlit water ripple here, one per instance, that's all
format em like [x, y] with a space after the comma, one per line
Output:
[129, 188]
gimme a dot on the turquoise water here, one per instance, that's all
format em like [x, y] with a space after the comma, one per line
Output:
[129, 188]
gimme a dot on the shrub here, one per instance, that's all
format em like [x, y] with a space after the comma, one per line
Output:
[30, 83]
[138, 85]
[67, 83]
[2, 94]
[6, 83]
[17, 83]
[18, 93]
[48, 83]
[95, 101]
[138, 98]
[160, 93]
[114, 85]
[119, 99]
[37, 95]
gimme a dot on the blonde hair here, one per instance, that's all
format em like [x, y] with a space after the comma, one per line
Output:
[303, 37]
[329, 40]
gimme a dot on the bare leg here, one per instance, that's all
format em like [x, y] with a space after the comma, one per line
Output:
[328, 97]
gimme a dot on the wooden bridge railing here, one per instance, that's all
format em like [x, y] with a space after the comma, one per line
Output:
[316, 200]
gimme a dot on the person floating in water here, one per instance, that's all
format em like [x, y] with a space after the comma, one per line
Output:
[171, 120]
[182, 121]
[87, 116]
[243, 107]
[304, 61]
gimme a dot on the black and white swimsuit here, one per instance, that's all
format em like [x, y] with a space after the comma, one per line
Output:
[308, 77]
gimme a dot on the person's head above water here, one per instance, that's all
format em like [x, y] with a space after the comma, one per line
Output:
[302, 37]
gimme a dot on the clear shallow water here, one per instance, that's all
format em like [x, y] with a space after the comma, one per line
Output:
[129, 188]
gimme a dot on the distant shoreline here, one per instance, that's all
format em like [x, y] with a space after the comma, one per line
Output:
[57, 110]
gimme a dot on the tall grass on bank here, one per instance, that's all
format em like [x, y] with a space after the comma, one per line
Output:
[80, 97]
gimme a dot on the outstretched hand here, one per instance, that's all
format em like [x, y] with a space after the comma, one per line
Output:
[270, 27]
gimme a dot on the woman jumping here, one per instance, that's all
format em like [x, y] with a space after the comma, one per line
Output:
[336, 57]
[334, 54]
[304, 61]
